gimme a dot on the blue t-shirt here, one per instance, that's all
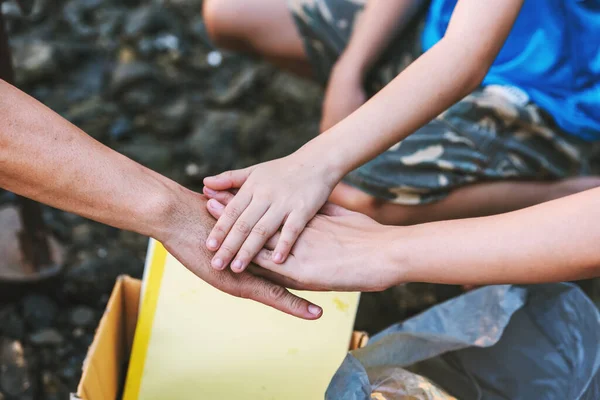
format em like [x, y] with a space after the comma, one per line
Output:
[552, 53]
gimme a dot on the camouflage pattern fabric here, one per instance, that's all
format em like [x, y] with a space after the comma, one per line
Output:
[493, 134]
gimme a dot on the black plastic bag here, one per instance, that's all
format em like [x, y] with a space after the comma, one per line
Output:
[497, 342]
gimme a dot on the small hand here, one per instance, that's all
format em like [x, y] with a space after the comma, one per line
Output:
[190, 224]
[285, 192]
[344, 94]
[338, 250]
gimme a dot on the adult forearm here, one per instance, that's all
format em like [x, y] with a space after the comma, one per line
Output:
[44, 157]
[554, 241]
[376, 28]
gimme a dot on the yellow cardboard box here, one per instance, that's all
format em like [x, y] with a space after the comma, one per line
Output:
[105, 366]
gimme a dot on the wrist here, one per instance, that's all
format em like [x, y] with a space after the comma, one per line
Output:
[349, 70]
[401, 250]
[321, 155]
[352, 66]
[161, 213]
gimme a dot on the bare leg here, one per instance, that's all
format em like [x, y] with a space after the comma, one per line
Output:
[470, 201]
[261, 27]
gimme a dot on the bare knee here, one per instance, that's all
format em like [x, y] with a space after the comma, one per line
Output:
[356, 200]
[223, 22]
[574, 185]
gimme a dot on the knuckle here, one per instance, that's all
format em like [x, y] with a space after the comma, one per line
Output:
[219, 230]
[296, 303]
[232, 212]
[285, 243]
[244, 254]
[260, 231]
[264, 255]
[294, 229]
[243, 227]
[277, 292]
[227, 251]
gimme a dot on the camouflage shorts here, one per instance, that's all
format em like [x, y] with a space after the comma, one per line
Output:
[492, 134]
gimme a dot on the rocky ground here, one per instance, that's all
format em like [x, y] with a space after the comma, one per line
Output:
[142, 77]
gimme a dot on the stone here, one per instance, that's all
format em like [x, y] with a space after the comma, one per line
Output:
[34, 61]
[133, 73]
[46, 337]
[121, 128]
[133, 241]
[15, 379]
[213, 139]
[12, 324]
[82, 316]
[253, 134]
[83, 234]
[79, 13]
[150, 19]
[39, 311]
[286, 88]
[92, 277]
[149, 152]
[241, 85]
[172, 119]
[93, 116]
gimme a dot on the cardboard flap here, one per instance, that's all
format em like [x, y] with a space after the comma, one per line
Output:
[104, 366]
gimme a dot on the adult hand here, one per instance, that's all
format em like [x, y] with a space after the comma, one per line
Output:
[187, 229]
[338, 250]
[344, 94]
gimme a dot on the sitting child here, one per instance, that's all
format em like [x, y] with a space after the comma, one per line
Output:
[481, 108]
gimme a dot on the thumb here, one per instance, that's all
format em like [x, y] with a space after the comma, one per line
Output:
[228, 180]
[333, 210]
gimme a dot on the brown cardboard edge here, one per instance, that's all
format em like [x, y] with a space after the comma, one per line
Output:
[103, 368]
[113, 340]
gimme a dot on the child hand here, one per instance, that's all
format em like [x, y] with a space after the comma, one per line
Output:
[288, 191]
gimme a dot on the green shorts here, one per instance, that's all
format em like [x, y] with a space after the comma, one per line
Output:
[495, 133]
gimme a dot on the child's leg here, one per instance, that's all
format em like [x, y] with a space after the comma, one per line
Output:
[262, 27]
[485, 155]
[467, 202]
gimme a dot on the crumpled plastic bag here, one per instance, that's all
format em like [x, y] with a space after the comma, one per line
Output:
[391, 383]
[497, 342]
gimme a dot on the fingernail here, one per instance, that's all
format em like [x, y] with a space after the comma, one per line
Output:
[237, 264]
[314, 310]
[212, 243]
[217, 263]
[278, 257]
[209, 191]
[215, 204]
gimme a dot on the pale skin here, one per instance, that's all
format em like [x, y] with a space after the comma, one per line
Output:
[289, 191]
[347, 251]
[45, 158]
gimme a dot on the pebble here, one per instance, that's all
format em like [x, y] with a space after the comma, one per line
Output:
[241, 85]
[15, 381]
[129, 74]
[12, 324]
[150, 19]
[214, 58]
[121, 128]
[213, 139]
[39, 311]
[82, 316]
[46, 337]
[34, 61]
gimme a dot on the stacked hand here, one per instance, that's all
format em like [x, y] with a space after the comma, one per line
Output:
[338, 250]
[284, 193]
